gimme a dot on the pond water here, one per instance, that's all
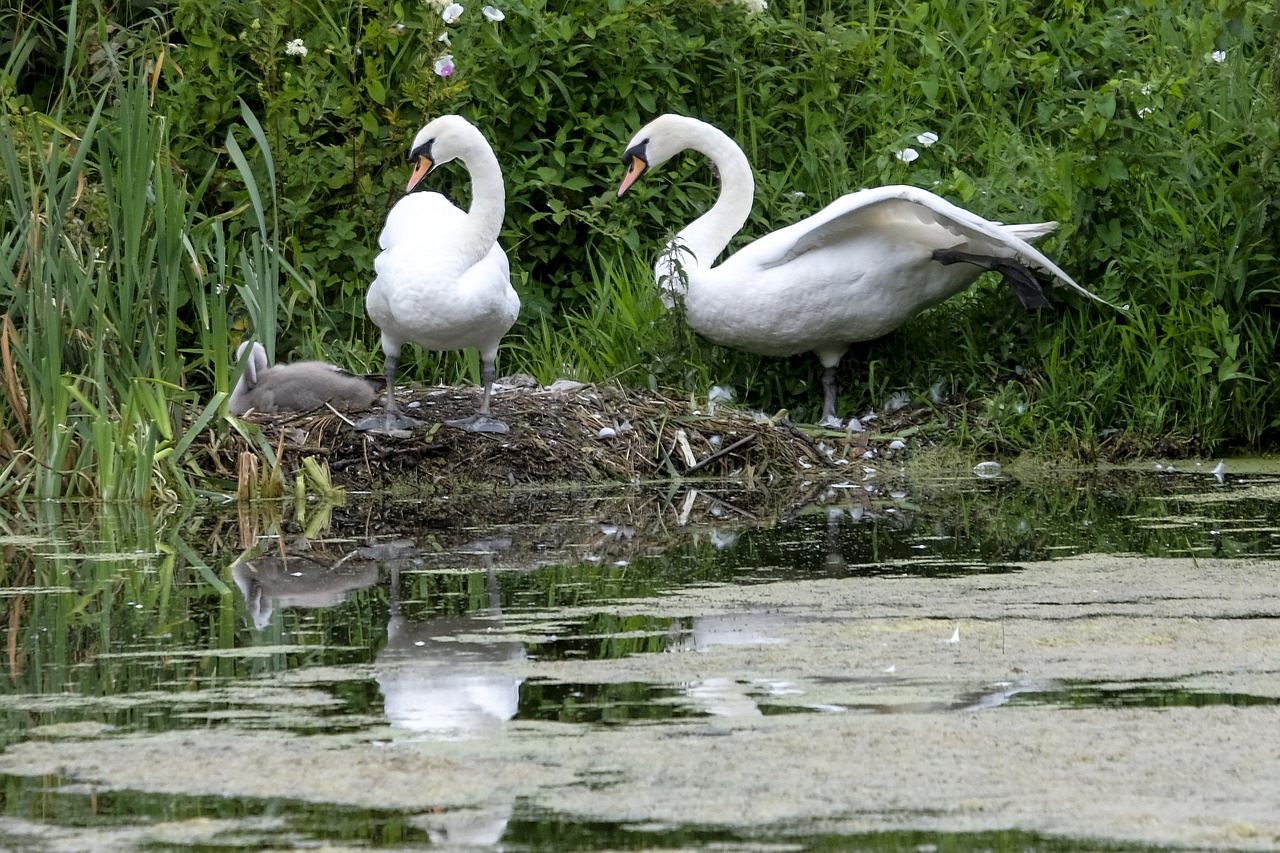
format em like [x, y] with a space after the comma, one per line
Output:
[1075, 662]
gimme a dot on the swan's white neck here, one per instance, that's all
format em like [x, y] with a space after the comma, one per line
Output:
[488, 194]
[707, 236]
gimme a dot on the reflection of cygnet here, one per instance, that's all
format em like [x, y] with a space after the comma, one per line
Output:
[440, 678]
[297, 581]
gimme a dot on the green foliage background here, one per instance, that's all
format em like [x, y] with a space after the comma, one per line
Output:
[1149, 130]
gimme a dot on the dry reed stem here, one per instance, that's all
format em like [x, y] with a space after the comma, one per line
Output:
[12, 384]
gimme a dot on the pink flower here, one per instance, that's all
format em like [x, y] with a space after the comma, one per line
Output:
[444, 65]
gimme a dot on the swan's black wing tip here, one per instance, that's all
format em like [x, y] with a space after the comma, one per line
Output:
[1023, 281]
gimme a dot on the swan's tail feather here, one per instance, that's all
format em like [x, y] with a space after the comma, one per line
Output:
[1030, 230]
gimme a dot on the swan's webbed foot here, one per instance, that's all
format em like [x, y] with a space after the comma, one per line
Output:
[480, 423]
[391, 420]
[388, 421]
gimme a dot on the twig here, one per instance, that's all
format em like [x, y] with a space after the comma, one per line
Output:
[818, 455]
[349, 423]
[740, 443]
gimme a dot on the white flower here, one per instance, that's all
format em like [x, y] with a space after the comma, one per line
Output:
[444, 37]
[1146, 89]
[452, 12]
[754, 6]
[927, 138]
[1218, 56]
[907, 155]
[444, 65]
[1143, 112]
[492, 13]
[295, 48]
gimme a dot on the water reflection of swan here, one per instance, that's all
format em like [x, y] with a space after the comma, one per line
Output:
[480, 826]
[299, 578]
[726, 697]
[983, 699]
[437, 678]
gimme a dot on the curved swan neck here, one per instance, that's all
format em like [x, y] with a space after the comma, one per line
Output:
[707, 236]
[488, 192]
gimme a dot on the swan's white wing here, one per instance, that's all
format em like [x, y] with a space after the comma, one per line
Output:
[911, 212]
[417, 217]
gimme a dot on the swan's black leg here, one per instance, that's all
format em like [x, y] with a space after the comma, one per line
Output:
[391, 418]
[1020, 278]
[481, 421]
[829, 418]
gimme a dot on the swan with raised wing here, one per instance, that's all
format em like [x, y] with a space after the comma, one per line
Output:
[854, 271]
[298, 387]
[443, 282]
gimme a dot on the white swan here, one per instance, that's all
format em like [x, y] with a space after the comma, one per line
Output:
[854, 271]
[298, 387]
[443, 282]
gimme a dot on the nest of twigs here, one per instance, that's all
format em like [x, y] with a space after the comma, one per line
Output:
[569, 433]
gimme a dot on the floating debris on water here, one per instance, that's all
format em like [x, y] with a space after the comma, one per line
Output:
[987, 470]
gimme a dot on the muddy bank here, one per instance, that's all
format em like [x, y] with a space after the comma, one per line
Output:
[849, 704]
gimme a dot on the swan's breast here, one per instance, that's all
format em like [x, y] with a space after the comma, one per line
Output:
[427, 300]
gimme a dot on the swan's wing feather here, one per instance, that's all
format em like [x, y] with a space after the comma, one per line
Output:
[419, 215]
[910, 209]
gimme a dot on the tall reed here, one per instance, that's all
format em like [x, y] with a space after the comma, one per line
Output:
[100, 276]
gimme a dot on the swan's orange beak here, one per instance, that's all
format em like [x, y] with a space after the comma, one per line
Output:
[635, 168]
[420, 170]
